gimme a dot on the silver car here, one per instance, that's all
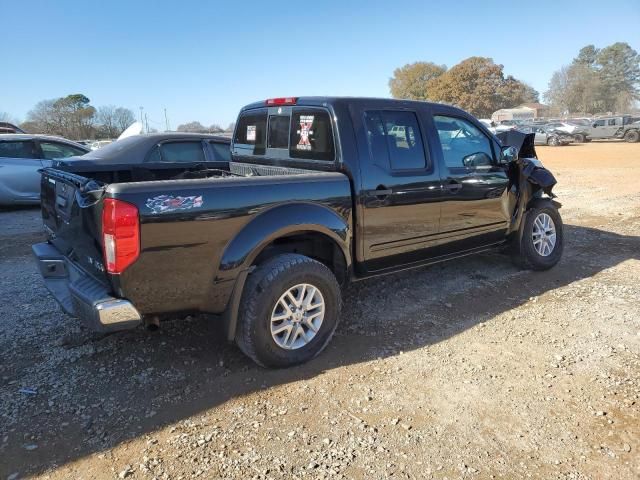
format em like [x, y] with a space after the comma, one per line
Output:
[21, 156]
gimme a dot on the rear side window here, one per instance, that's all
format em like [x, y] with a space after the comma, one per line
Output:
[20, 149]
[311, 135]
[177, 152]
[395, 140]
[221, 151]
[251, 132]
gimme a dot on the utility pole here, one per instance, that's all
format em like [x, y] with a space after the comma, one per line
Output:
[141, 122]
[146, 121]
[166, 120]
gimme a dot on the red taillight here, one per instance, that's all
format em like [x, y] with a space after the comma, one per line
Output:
[282, 101]
[120, 234]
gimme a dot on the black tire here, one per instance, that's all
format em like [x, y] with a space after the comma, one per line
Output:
[632, 136]
[524, 252]
[579, 138]
[553, 141]
[263, 289]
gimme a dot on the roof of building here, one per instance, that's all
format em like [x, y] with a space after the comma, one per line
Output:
[534, 105]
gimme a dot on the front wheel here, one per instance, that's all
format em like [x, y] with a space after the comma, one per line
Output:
[579, 138]
[541, 239]
[553, 141]
[289, 311]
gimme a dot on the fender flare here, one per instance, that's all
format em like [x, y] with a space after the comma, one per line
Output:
[280, 221]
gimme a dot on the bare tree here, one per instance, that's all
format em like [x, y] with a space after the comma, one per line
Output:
[5, 117]
[123, 118]
[193, 127]
[106, 119]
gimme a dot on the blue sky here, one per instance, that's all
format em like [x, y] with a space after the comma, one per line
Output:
[204, 60]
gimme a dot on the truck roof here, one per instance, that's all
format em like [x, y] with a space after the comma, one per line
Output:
[323, 101]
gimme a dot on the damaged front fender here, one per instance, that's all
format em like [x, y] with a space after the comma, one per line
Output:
[528, 178]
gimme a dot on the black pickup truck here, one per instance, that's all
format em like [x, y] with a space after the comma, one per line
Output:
[320, 191]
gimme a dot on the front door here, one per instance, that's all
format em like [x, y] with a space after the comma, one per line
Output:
[604, 128]
[474, 212]
[400, 186]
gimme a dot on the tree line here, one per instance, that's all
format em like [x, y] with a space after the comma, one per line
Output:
[75, 118]
[597, 81]
[476, 84]
[197, 127]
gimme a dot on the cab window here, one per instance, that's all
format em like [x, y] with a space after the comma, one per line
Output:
[463, 144]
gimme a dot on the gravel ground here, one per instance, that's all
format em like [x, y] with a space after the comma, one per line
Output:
[471, 369]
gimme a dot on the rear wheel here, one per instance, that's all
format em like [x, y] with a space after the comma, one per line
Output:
[289, 311]
[579, 138]
[553, 141]
[632, 136]
[541, 239]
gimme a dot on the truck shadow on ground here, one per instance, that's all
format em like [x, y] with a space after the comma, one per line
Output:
[131, 384]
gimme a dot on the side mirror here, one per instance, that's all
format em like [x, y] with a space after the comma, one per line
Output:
[595, 125]
[508, 154]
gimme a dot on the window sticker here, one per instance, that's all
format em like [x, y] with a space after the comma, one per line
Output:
[251, 133]
[305, 130]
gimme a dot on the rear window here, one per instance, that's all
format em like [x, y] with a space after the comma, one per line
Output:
[251, 132]
[278, 136]
[20, 149]
[311, 135]
[177, 152]
[296, 133]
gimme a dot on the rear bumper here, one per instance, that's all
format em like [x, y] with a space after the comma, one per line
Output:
[80, 295]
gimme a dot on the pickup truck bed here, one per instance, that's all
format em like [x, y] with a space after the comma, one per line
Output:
[171, 263]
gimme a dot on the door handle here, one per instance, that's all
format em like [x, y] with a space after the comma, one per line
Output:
[453, 186]
[380, 192]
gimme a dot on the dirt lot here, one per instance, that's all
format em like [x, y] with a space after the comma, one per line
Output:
[471, 369]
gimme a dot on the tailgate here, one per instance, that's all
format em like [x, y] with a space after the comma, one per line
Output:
[71, 212]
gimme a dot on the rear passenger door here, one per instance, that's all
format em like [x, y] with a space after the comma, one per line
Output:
[474, 211]
[19, 177]
[400, 186]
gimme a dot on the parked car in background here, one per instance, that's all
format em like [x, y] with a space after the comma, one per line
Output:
[580, 133]
[153, 156]
[548, 136]
[21, 156]
[99, 144]
[620, 127]
[6, 127]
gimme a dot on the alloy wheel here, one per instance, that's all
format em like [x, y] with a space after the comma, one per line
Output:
[297, 316]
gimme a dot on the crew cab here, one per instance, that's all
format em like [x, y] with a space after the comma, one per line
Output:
[623, 127]
[320, 191]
